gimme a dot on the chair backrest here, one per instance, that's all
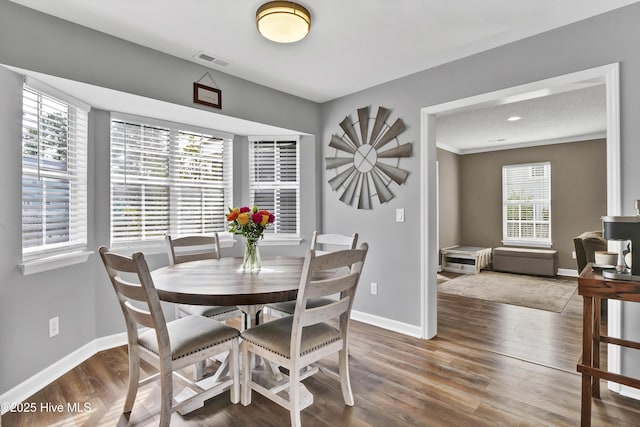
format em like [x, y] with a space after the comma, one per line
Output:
[345, 267]
[586, 246]
[330, 242]
[192, 248]
[122, 272]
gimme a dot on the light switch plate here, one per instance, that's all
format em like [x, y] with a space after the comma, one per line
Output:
[400, 215]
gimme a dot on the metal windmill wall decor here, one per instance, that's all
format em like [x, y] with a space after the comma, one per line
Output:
[363, 161]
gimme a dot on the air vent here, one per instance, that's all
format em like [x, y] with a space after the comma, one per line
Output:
[211, 59]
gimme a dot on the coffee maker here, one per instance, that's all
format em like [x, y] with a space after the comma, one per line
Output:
[624, 229]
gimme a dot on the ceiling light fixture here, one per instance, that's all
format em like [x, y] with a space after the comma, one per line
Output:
[283, 21]
[514, 118]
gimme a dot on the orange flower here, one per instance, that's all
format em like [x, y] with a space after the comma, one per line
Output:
[265, 220]
[233, 214]
[243, 218]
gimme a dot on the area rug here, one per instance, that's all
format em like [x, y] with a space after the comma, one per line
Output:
[527, 291]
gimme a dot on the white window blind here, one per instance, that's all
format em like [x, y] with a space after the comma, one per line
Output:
[54, 175]
[167, 177]
[274, 182]
[527, 203]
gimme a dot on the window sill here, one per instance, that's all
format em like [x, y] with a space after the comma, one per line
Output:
[147, 248]
[527, 243]
[276, 241]
[226, 241]
[52, 262]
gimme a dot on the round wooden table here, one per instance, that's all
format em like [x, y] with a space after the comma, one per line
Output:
[222, 282]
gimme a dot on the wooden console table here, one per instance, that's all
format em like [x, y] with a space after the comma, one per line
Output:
[465, 259]
[593, 289]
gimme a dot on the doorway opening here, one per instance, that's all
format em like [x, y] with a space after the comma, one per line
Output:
[607, 75]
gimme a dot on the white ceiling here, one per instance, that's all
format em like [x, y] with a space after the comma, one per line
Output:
[573, 115]
[353, 45]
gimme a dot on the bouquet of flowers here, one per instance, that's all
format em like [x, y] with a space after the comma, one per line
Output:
[251, 223]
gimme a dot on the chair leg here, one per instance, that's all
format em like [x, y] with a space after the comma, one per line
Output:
[199, 371]
[345, 381]
[234, 372]
[166, 389]
[134, 379]
[294, 396]
[245, 391]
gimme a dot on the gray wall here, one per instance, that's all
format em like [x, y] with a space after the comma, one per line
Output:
[605, 39]
[449, 195]
[578, 193]
[81, 295]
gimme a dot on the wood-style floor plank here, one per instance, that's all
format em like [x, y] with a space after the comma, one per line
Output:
[490, 365]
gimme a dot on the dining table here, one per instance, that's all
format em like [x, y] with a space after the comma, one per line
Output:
[222, 282]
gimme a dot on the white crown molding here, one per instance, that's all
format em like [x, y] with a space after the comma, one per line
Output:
[527, 144]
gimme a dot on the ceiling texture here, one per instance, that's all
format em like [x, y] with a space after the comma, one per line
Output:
[353, 44]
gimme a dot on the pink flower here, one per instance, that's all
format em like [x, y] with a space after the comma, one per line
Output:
[271, 218]
[244, 209]
[257, 218]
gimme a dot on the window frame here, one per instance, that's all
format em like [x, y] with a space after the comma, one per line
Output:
[156, 245]
[274, 237]
[47, 256]
[539, 205]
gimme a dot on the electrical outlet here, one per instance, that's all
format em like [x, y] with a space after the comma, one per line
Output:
[374, 288]
[400, 215]
[573, 255]
[54, 326]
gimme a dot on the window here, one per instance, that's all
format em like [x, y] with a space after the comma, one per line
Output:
[54, 175]
[167, 177]
[526, 195]
[274, 182]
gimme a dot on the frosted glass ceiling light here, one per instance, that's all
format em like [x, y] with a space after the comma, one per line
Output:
[283, 21]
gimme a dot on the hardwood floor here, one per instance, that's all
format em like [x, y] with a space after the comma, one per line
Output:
[491, 364]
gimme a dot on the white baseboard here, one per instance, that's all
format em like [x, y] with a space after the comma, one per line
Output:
[392, 325]
[51, 373]
[631, 392]
[48, 375]
[567, 272]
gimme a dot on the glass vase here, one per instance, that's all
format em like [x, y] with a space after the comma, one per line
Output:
[251, 262]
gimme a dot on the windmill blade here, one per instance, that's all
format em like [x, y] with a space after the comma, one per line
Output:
[365, 198]
[339, 179]
[403, 150]
[342, 145]
[347, 196]
[396, 174]
[384, 194]
[347, 127]
[381, 118]
[363, 120]
[336, 162]
[396, 129]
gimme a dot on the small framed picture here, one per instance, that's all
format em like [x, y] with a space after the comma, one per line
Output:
[207, 95]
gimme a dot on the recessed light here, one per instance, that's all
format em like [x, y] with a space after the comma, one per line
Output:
[514, 118]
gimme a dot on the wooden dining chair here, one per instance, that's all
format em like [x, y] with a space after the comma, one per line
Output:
[322, 243]
[295, 342]
[195, 248]
[169, 346]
